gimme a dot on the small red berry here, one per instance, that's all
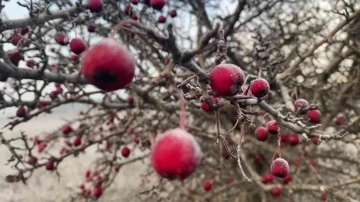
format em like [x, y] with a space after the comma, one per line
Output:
[77, 141]
[66, 130]
[173, 13]
[207, 186]
[315, 140]
[125, 152]
[134, 16]
[313, 164]
[268, 178]
[161, 19]
[257, 158]
[95, 6]
[207, 107]
[293, 139]
[23, 30]
[32, 160]
[74, 58]
[261, 134]
[41, 146]
[21, 112]
[276, 191]
[323, 197]
[108, 65]
[157, 4]
[280, 168]
[175, 154]
[116, 168]
[339, 120]
[91, 27]
[61, 39]
[135, 2]
[97, 192]
[54, 94]
[299, 104]
[15, 40]
[287, 179]
[131, 101]
[284, 138]
[50, 165]
[128, 10]
[226, 79]
[30, 63]
[314, 116]
[259, 87]
[77, 45]
[272, 127]
[15, 56]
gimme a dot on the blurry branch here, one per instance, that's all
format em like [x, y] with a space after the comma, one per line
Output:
[311, 51]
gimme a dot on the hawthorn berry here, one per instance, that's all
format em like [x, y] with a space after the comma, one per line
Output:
[54, 94]
[207, 107]
[97, 192]
[293, 139]
[23, 30]
[257, 158]
[300, 104]
[50, 165]
[161, 19]
[91, 27]
[173, 13]
[146, 2]
[32, 160]
[30, 63]
[272, 127]
[131, 101]
[267, 178]
[279, 168]
[314, 116]
[66, 130]
[207, 185]
[61, 39]
[226, 79]
[41, 146]
[157, 4]
[77, 141]
[135, 2]
[276, 191]
[108, 65]
[261, 133]
[116, 168]
[323, 197]
[15, 40]
[287, 179]
[95, 6]
[15, 56]
[284, 138]
[259, 87]
[315, 140]
[313, 164]
[77, 45]
[175, 154]
[128, 10]
[125, 152]
[21, 112]
[339, 120]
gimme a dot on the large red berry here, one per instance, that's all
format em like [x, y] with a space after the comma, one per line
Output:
[300, 103]
[157, 4]
[77, 141]
[61, 39]
[261, 134]
[21, 112]
[287, 179]
[50, 165]
[97, 192]
[226, 79]
[66, 130]
[108, 65]
[314, 116]
[272, 127]
[259, 87]
[175, 154]
[276, 191]
[207, 185]
[95, 6]
[293, 139]
[125, 152]
[279, 168]
[77, 45]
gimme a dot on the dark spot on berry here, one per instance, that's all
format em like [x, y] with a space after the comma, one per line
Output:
[103, 78]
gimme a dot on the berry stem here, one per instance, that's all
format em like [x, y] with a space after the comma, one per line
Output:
[182, 111]
[238, 150]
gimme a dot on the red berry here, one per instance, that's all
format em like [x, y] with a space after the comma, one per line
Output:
[207, 107]
[207, 186]
[313, 164]
[97, 192]
[74, 58]
[323, 197]
[108, 65]
[41, 104]
[77, 141]
[280, 168]
[21, 112]
[276, 191]
[116, 168]
[284, 138]
[339, 120]
[125, 152]
[15, 40]
[50, 165]
[61, 39]
[226, 79]
[268, 178]
[23, 30]
[32, 160]
[135, 2]
[175, 154]
[293, 139]
[157, 4]
[261, 134]
[146, 2]
[257, 158]
[91, 27]
[54, 94]
[161, 19]
[128, 10]
[41, 147]
[15, 56]
[272, 127]
[134, 16]
[66, 130]
[77, 45]
[30, 63]
[131, 101]
[259, 87]
[315, 140]
[287, 179]
[314, 116]
[95, 6]
[301, 103]
[173, 13]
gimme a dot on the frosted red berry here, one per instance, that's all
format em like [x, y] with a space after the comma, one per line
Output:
[293, 139]
[15, 40]
[299, 104]
[259, 87]
[91, 27]
[207, 106]
[261, 134]
[314, 116]
[77, 45]
[279, 168]
[226, 79]
[272, 127]
[66, 130]
[157, 4]
[61, 39]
